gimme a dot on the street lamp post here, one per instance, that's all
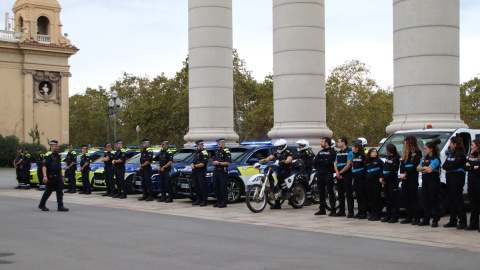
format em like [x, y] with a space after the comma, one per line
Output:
[138, 134]
[114, 104]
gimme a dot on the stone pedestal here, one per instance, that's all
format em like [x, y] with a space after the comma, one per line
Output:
[426, 64]
[210, 71]
[299, 71]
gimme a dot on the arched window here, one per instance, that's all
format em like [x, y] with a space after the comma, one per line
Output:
[20, 24]
[42, 25]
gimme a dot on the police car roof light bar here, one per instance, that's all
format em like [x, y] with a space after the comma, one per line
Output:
[257, 143]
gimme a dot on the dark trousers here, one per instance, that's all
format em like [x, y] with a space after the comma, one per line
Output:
[474, 195]
[374, 196]
[281, 176]
[147, 186]
[19, 176]
[120, 180]
[220, 179]
[325, 182]
[457, 208]
[166, 184]
[200, 185]
[86, 180]
[109, 172]
[40, 176]
[410, 193]
[307, 186]
[26, 176]
[391, 197]
[430, 191]
[72, 181]
[54, 183]
[360, 184]
[345, 189]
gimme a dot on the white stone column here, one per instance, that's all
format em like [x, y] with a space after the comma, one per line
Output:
[426, 64]
[299, 71]
[210, 71]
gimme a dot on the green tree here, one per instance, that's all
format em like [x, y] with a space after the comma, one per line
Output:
[470, 102]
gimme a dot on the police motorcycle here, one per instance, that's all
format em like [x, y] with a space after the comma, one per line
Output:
[264, 187]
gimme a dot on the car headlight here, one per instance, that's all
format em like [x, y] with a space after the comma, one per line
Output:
[209, 174]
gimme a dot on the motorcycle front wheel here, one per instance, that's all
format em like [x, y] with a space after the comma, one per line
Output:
[298, 197]
[255, 203]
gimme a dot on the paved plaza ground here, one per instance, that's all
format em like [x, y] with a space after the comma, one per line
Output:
[108, 233]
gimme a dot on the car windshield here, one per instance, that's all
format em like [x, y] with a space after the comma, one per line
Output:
[134, 160]
[183, 155]
[98, 161]
[422, 139]
[238, 153]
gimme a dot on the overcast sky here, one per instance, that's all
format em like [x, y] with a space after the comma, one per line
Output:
[148, 37]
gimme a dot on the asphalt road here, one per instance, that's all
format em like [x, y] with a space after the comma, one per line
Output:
[92, 237]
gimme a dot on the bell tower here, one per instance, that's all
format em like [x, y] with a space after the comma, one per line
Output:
[34, 72]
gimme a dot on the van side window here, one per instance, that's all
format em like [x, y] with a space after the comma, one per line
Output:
[477, 136]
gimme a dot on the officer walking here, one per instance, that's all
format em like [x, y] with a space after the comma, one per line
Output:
[222, 160]
[146, 157]
[164, 169]
[52, 178]
[25, 167]
[16, 165]
[324, 163]
[199, 168]
[39, 162]
[109, 170]
[85, 161]
[70, 169]
[307, 156]
[119, 163]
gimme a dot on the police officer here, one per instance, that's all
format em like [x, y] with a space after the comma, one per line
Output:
[324, 163]
[222, 160]
[16, 164]
[52, 177]
[26, 164]
[70, 168]
[199, 168]
[39, 162]
[164, 169]
[343, 169]
[283, 158]
[307, 156]
[119, 163]
[390, 181]
[146, 157]
[85, 161]
[109, 170]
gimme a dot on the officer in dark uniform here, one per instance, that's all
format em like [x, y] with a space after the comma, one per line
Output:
[283, 158]
[85, 161]
[146, 157]
[164, 169]
[70, 168]
[26, 164]
[119, 163]
[324, 163]
[222, 160]
[109, 170]
[343, 170]
[307, 156]
[39, 162]
[199, 168]
[16, 164]
[52, 178]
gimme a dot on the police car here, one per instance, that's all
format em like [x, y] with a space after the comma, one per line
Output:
[240, 170]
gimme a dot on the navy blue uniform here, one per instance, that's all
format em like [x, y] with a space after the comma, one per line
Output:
[18, 169]
[324, 164]
[345, 185]
[431, 188]
[474, 188]
[146, 172]
[283, 170]
[390, 176]
[120, 173]
[85, 158]
[26, 164]
[374, 188]
[39, 162]
[201, 156]
[455, 175]
[410, 185]
[70, 173]
[109, 172]
[166, 156]
[220, 176]
[360, 183]
[52, 162]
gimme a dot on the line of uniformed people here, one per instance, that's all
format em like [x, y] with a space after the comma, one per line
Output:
[22, 164]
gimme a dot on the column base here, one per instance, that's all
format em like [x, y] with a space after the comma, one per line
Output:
[211, 135]
[420, 121]
[292, 132]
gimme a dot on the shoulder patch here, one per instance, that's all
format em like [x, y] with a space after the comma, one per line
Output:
[226, 150]
[123, 150]
[205, 152]
[87, 154]
[73, 152]
[48, 153]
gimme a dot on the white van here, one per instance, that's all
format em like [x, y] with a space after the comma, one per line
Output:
[426, 135]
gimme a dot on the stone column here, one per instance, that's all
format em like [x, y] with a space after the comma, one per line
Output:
[426, 64]
[299, 71]
[210, 71]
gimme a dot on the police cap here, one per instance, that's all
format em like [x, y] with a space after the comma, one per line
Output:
[164, 141]
[85, 146]
[55, 142]
[70, 146]
[145, 141]
[19, 148]
[199, 142]
[38, 149]
[107, 144]
[25, 149]
[118, 141]
[221, 140]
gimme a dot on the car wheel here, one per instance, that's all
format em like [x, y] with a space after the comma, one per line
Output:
[234, 190]
[129, 184]
[175, 188]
